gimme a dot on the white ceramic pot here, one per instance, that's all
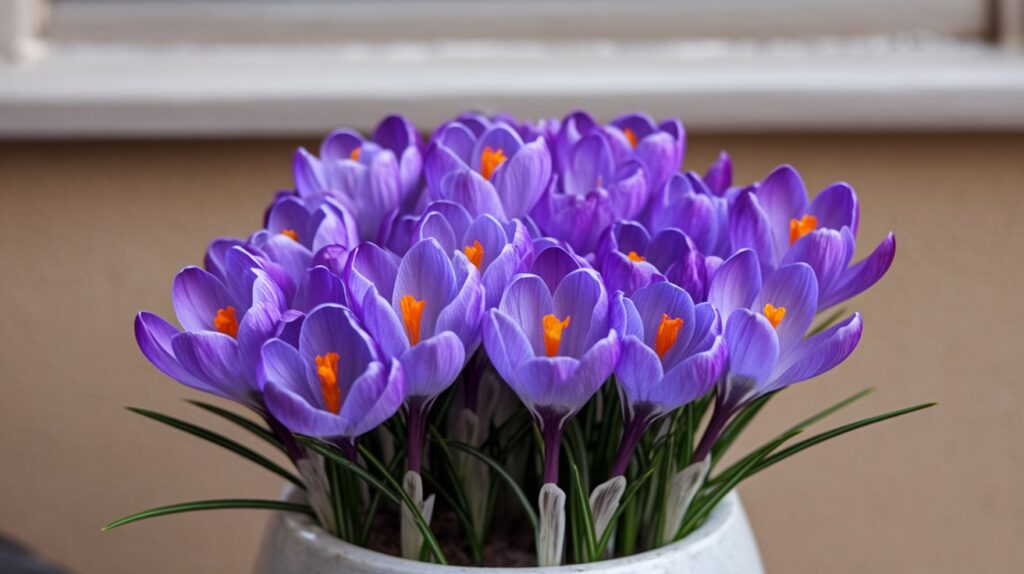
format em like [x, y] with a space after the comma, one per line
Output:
[294, 544]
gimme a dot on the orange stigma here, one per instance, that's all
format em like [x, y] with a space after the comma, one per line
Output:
[668, 332]
[800, 227]
[475, 254]
[553, 333]
[412, 314]
[354, 154]
[327, 372]
[290, 233]
[630, 137]
[634, 256]
[490, 159]
[226, 322]
[774, 314]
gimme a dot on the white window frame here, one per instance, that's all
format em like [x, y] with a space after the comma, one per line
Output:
[154, 69]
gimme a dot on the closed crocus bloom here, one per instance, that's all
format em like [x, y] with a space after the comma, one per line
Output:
[776, 220]
[218, 349]
[672, 354]
[488, 172]
[629, 258]
[334, 385]
[686, 203]
[659, 147]
[766, 332]
[554, 348]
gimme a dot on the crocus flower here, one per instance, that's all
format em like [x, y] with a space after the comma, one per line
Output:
[687, 203]
[766, 332]
[629, 258]
[554, 348]
[365, 177]
[425, 311]
[659, 147]
[781, 226]
[672, 354]
[590, 192]
[219, 349]
[498, 250]
[493, 171]
[335, 385]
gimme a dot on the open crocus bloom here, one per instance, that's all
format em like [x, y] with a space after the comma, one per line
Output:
[659, 147]
[687, 203]
[487, 168]
[781, 226]
[334, 384]
[629, 258]
[395, 134]
[219, 349]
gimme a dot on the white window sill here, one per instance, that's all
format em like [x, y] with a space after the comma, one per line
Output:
[82, 90]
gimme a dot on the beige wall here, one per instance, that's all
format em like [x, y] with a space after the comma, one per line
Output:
[92, 232]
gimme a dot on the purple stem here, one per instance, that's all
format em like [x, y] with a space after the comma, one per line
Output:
[291, 446]
[347, 446]
[417, 423]
[715, 427]
[552, 432]
[634, 429]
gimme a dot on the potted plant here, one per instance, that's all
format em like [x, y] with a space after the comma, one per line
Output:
[519, 344]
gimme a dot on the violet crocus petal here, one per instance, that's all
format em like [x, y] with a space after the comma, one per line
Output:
[735, 283]
[290, 326]
[630, 324]
[639, 123]
[631, 236]
[382, 193]
[339, 144]
[426, 274]
[396, 133]
[526, 301]
[660, 157]
[542, 382]
[595, 366]
[432, 365]
[289, 213]
[794, 288]
[819, 353]
[506, 345]
[490, 233]
[308, 174]
[753, 345]
[333, 257]
[333, 329]
[214, 358]
[291, 255]
[707, 325]
[197, 296]
[574, 126]
[582, 297]
[629, 190]
[622, 274]
[436, 226]
[318, 286]
[690, 274]
[368, 267]
[783, 196]
[498, 274]
[469, 189]
[668, 247]
[828, 253]
[216, 254]
[154, 336]
[719, 174]
[749, 227]
[374, 397]
[497, 137]
[282, 366]
[552, 264]
[580, 220]
[591, 166]
[384, 323]
[462, 316]
[862, 274]
[441, 159]
[336, 227]
[674, 127]
[691, 379]
[836, 207]
[521, 180]
[638, 370]
[240, 271]
[655, 302]
[260, 323]
[299, 416]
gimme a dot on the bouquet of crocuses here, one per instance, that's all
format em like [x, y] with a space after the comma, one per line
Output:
[548, 318]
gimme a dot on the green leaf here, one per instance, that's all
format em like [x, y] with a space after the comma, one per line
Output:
[828, 322]
[820, 438]
[247, 424]
[244, 503]
[336, 457]
[631, 490]
[582, 503]
[221, 441]
[509, 481]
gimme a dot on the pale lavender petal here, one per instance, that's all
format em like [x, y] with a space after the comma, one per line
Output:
[753, 346]
[282, 366]
[783, 197]
[828, 253]
[862, 274]
[339, 144]
[794, 288]
[506, 345]
[553, 264]
[197, 296]
[154, 336]
[498, 137]
[462, 315]
[639, 370]
[735, 283]
[526, 301]
[374, 398]
[656, 301]
[426, 274]
[819, 353]
[333, 329]
[432, 365]
[318, 286]
[308, 174]
[384, 323]
[469, 189]
[836, 207]
[522, 179]
[749, 227]
[214, 358]
[719, 174]
[691, 378]
[581, 297]
[368, 267]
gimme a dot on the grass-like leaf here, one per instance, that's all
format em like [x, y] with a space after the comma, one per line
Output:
[631, 490]
[247, 424]
[221, 441]
[531, 514]
[584, 522]
[245, 503]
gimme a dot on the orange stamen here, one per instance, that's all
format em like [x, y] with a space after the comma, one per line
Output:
[475, 253]
[668, 332]
[291, 233]
[553, 333]
[774, 314]
[412, 314]
[634, 256]
[630, 137]
[490, 159]
[226, 322]
[327, 372]
[354, 154]
[800, 227]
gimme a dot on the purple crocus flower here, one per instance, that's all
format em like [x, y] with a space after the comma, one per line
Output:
[371, 179]
[334, 385]
[659, 147]
[487, 168]
[672, 354]
[219, 349]
[425, 311]
[781, 226]
[629, 258]
[555, 348]
[687, 203]
[766, 330]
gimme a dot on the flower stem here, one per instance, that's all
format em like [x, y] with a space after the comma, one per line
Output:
[417, 423]
[631, 433]
[552, 432]
[715, 427]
